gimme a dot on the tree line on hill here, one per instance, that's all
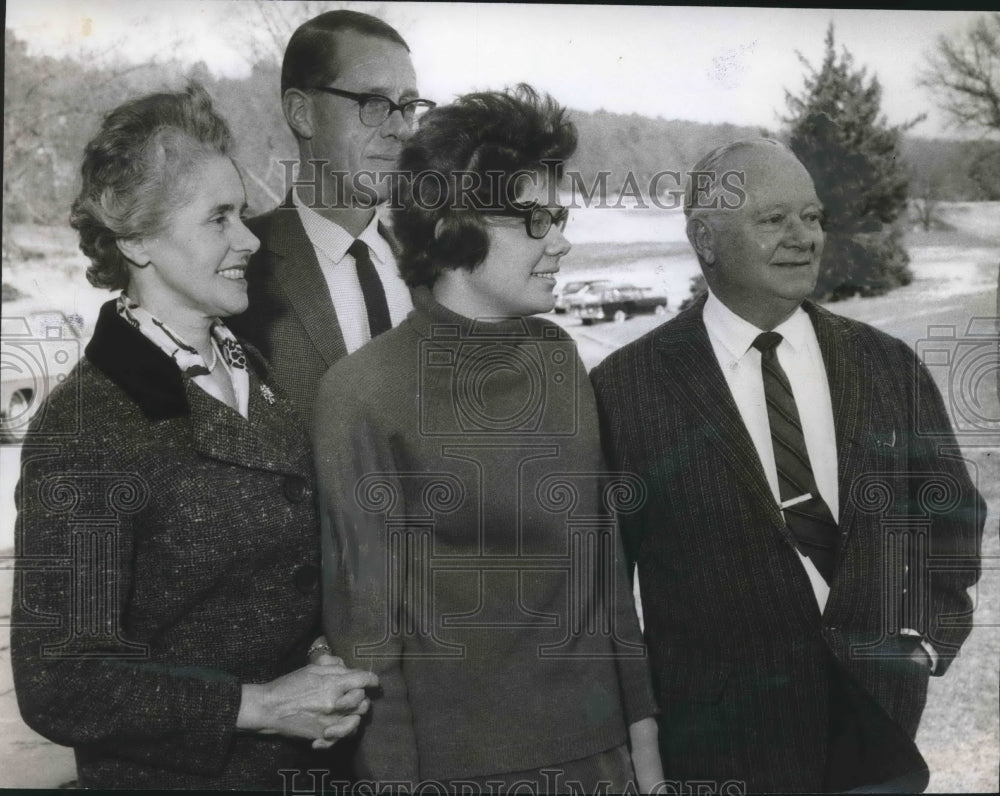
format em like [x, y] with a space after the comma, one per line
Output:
[52, 106]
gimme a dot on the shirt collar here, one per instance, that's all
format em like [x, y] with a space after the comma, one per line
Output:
[797, 329]
[737, 334]
[372, 235]
[333, 240]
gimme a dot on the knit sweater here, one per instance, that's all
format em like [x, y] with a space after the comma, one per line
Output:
[469, 559]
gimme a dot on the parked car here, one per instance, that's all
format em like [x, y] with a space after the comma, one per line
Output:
[38, 349]
[565, 295]
[617, 303]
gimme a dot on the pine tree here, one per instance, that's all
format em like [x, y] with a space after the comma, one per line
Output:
[837, 129]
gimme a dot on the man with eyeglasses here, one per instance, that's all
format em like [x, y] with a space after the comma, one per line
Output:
[325, 280]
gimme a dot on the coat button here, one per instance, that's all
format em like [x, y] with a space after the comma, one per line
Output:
[306, 578]
[295, 488]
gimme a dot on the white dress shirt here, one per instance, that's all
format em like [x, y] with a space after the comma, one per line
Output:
[800, 357]
[331, 242]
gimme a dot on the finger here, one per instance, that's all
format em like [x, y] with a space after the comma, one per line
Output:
[322, 743]
[344, 680]
[350, 700]
[328, 660]
[341, 728]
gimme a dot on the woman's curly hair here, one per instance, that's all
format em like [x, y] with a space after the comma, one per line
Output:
[132, 170]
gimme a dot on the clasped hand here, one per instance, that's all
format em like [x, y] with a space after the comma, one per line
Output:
[323, 701]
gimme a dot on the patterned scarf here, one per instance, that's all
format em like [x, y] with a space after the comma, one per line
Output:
[187, 358]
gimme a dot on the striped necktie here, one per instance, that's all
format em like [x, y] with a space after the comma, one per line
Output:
[806, 513]
[371, 288]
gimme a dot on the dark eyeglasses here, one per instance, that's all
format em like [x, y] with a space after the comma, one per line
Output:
[374, 109]
[538, 220]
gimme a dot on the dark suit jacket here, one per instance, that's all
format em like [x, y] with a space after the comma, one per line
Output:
[741, 655]
[291, 318]
[167, 551]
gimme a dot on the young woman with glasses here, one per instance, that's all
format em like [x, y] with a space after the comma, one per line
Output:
[470, 550]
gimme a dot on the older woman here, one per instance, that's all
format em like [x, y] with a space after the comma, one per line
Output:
[471, 561]
[168, 545]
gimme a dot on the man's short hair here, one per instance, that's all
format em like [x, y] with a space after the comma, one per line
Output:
[311, 55]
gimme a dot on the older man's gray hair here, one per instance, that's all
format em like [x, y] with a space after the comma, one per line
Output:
[711, 187]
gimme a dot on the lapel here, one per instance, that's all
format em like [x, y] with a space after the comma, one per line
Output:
[297, 273]
[266, 442]
[692, 374]
[854, 398]
[147, 375]
[151, 379]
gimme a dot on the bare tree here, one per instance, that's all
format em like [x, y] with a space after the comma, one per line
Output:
[964, 74]
[51, 108]
[269, 24]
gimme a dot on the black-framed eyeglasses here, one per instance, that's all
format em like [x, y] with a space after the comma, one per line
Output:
[374, 109]
[538, 219]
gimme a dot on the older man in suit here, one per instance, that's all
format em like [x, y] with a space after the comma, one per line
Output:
[810, 530]
[325, 280]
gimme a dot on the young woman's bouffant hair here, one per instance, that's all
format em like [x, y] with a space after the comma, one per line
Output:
[133, 169]
[467, 156]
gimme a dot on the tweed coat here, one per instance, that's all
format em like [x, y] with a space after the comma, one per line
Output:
[167, 552]
[741, 655]
[291, 318]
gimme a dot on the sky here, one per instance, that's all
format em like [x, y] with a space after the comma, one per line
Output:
[699, 63]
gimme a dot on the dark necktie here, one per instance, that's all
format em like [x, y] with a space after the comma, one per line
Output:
[371, 288]
[809, 519]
